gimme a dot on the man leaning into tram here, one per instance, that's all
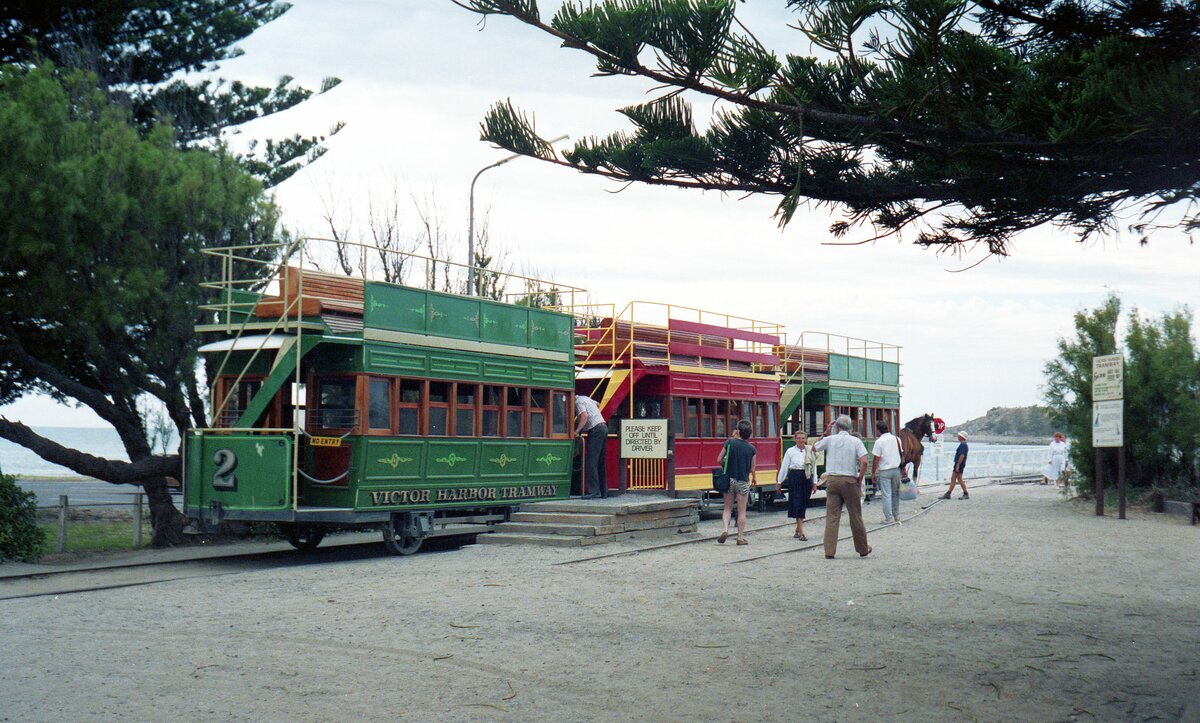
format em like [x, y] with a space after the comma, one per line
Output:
[590, 422]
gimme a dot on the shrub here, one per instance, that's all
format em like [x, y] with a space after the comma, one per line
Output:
[20, 538]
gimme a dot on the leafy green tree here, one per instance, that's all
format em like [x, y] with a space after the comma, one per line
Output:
[1068, 390]
[1162, 401]
[955, 120]
[100, 266]
[142, 50]
[20, 538]
[1162, 396]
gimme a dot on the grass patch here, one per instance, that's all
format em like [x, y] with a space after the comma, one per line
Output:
[93, 536]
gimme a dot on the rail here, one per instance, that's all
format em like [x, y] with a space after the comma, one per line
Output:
[988, 462]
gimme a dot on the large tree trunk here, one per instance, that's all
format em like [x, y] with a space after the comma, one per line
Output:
[167, 521]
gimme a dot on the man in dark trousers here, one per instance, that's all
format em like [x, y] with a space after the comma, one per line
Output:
[960, 463]
[590, 422]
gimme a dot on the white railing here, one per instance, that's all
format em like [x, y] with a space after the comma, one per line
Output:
[997, 461]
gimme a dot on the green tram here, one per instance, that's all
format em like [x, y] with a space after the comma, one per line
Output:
[348, 403]
[826, 375]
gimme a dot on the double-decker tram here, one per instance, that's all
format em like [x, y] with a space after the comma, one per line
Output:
[699, 371]
[343, 402]
[825, 375]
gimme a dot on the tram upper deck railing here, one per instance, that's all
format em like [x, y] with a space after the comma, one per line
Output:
[300, 271]
[819, 357]
[658, 334]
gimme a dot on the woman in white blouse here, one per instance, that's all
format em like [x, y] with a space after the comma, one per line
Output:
[1058, 460]
[798, 472]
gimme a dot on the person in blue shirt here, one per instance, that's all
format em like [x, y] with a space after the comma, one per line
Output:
[960, 463]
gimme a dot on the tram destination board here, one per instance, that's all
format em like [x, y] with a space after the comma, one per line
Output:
[644, 438]
[1108, 374]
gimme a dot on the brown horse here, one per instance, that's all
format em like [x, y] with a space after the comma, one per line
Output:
[910, 441]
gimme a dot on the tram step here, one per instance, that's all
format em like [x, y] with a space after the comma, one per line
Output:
[616, 506]
[596, 519]
[504, 538]
[615, 524]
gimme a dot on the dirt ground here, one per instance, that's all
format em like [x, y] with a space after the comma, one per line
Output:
[1014, 605]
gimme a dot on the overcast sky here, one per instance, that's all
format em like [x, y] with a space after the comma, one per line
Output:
[419, 75]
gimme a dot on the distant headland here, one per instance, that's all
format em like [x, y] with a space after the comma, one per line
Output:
[1008, 425]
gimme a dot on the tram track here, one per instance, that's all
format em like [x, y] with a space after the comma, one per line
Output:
[712, 538]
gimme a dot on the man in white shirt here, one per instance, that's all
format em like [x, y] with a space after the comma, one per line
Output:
[845, 467]
[885, 470]
[590, 422]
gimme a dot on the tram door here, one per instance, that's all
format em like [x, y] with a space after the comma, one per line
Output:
[645, 474]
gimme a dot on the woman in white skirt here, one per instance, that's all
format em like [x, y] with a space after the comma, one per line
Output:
[1058, 460]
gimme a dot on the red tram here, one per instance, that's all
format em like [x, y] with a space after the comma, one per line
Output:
[699, 370]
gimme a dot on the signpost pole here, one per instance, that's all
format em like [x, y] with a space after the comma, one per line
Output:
[1099, 483]
[1121, 480]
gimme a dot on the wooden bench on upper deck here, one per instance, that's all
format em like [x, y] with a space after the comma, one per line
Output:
[322, 292]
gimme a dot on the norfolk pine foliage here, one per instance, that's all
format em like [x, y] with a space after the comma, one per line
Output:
[948, 121]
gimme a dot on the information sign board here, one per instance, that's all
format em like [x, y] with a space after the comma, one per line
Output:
[1108, 424]
[644, 438]
[1108, 374]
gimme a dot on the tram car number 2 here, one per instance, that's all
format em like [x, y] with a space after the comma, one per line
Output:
[223, 478]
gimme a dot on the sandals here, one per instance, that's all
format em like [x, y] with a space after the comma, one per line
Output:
[868, 552]
[722, 538]
[742, 541]
[802, 538]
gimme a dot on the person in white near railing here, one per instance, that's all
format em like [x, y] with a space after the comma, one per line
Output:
[1057, 464]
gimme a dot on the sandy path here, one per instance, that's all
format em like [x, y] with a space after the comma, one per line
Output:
[1013, 605]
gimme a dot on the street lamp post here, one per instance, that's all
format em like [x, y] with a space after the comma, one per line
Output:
[471, 216]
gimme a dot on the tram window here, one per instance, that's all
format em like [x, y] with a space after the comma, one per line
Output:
[558, 411]
[537, 412]
[721, 417]
[747, 412]
[410, 405]
[706, 421]
[439, 408]
[760, 415]
[464, 409]
[772, 415]
[238, 399]
[335, 403]
[514, 413]
[677, 417]
[693, 421]
[379, 404]
[493, 400]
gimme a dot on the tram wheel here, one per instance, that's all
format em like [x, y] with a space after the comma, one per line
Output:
[396, 540]
[303, 537]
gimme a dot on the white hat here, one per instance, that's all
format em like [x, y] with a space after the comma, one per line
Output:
[962, 435]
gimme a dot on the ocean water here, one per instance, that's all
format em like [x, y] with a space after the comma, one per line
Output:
[984, 460]
[100, 441]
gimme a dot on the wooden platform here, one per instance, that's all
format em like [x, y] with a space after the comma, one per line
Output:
[578, 523]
